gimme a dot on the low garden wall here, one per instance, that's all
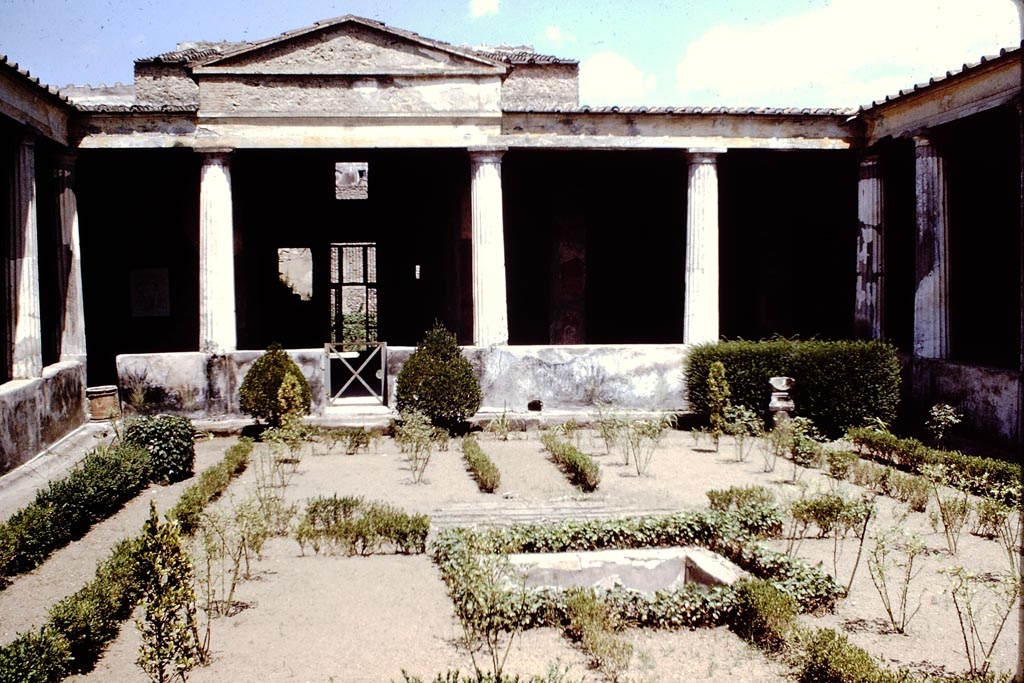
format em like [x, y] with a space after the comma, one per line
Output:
[35, 413]
[201, 385]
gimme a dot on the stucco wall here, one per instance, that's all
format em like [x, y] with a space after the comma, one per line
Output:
[35, 413]
[347, 95]
[537, 87]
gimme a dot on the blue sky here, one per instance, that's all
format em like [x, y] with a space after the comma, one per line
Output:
[653, 52]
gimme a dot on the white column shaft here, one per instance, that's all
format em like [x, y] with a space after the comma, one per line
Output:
[72, 341]
[23, 308]
[869, 310]
[217, 329]
[700, 313]
[931, 297]
[490, 304]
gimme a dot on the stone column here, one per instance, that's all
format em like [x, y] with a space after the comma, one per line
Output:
[217, 331]
[490, 304]
[869, 309]
[72, 339]
[23, 308]
[931, 297]
[700, 313]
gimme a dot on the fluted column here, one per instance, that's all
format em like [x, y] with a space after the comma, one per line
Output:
[72, 339]
[869, 309]
[490, 304]
[25, 356]
[700, 312]
[931, 297]
[217, 329]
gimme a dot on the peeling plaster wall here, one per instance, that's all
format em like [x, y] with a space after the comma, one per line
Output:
[554, 86]
[627, 376]
[199, 385]
[988, 397]
[35, 413]
[347, 95]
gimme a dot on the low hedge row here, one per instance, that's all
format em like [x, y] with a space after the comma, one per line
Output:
[212, 482]
[66, 509]
[579, 467]
[839, 384]
[483, 469]
[354, 527]
[733, 534]
[977, 475]
[81, 625]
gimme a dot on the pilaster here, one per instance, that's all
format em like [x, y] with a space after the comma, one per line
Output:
[931, 296]
[72, 340]
[490, 303]
[217, 325]
[700, 313]
[23, 308]
[869, 309]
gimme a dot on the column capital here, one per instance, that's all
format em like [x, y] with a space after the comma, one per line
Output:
[925, 142]
[870, 166]
[220, 156]
[66, 159]
[703, 155]
[486, 155]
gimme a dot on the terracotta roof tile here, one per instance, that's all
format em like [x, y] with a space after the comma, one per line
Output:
[33, 80]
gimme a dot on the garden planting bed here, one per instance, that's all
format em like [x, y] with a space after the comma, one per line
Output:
[318, 617]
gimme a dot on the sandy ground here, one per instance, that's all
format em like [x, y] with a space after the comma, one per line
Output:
[316, 618]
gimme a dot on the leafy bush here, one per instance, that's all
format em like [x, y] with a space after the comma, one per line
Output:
[484, 471]
[170, 440]
[830, 658]
[260, 394]
[67, 508]
[765, 616]
[438, 381]
[838, 384]
[592, 623]
[579, 467]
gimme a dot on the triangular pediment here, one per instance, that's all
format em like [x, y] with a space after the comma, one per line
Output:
[351, 46]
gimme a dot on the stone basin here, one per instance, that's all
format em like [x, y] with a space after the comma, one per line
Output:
[643, 569]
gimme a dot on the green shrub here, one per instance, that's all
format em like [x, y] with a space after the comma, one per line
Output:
[579, 467]
[739, 497]
[352, 527]
[839, 384]
[765, 616]
[170, 440]
[840, 463]
[484, 471]
[591, 622]
[830, 658]
[260, 393]
[438, 381]
[40, 657]
[67, 508]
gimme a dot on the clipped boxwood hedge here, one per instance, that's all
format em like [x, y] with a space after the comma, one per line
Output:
[733, 534]
[839, 384]
[66, 509]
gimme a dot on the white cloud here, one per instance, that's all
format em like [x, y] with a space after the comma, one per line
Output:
[479, 8]
[844, 54]
[558, 37]
[610, 78]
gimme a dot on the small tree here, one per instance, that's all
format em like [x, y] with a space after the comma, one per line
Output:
[170, 645]
[438, 381]
[941, 419]
[260, 394]
[718, 400]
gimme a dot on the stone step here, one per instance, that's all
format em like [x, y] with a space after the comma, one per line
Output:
[503, 516]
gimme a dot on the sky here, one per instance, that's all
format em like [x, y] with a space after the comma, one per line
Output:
[779, 53]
